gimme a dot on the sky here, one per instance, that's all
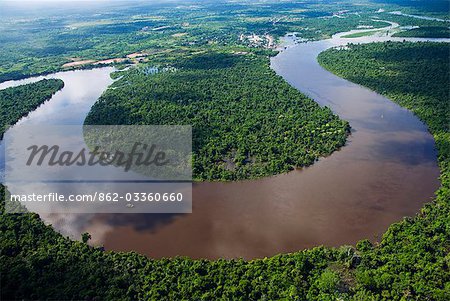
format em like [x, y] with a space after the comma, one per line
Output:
[12, 7]
[44, 1]
[24, 1]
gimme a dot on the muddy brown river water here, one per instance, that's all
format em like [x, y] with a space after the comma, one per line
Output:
[386, 171]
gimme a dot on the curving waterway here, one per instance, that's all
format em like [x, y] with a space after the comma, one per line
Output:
[386, 171]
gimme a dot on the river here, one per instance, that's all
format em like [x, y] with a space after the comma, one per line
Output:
[387, 170]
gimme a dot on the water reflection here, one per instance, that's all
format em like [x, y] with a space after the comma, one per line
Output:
[386, 171]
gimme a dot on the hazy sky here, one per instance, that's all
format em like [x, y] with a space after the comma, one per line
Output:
[24, 1]
[15, 6]
[37, 1]
[34, 2]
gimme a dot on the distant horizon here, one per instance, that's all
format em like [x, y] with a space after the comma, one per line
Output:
[22, 1]
[37, 1]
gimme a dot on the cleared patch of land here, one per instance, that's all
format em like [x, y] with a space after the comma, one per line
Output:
[78, 63]
[361, 34]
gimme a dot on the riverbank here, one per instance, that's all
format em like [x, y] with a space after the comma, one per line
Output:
[322, 204]
[416, 76]
[411, 260]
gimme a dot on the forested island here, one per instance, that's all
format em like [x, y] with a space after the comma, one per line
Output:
[247, 121]
[411, 261]
[16, 102]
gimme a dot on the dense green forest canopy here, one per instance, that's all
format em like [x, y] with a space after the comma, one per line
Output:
[43, 38]
[411, 262]
[17, 102]
[247, 121]
[386, 67]
[414, 256]
[426, 32]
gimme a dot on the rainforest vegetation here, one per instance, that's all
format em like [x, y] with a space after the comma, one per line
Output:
[45, 39]
[414, 255]
[17, 102]
[411, 261]
[386, 67]
[426, 32]
[247, 121]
